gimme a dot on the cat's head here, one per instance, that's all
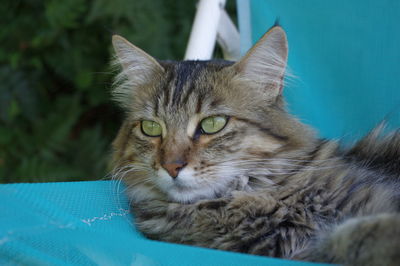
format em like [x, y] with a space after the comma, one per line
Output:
[200, 129]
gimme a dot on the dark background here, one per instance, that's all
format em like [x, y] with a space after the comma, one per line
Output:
[56, 118]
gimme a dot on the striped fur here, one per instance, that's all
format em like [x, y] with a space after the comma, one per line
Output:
[262, 185]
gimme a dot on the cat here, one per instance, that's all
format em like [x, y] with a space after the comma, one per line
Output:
[210, 157]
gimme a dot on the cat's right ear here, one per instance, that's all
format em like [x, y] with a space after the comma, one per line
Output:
[133, 59]
[138, 69]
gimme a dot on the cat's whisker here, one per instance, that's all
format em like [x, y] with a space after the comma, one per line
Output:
[279, 163]
[281, 158]
[147, 180]
[284, 165]
[115, 175]
[120, 173]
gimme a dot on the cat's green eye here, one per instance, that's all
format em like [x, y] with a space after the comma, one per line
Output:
[151, 128]
[213, 124]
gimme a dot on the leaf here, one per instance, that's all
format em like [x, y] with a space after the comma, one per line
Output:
[14, 110]
[84, 79]
[65, 14]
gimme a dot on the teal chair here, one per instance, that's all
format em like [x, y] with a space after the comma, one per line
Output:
[346, 59]
[89, 223]
[344, 56]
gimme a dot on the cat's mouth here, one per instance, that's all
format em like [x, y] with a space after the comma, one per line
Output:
[181, 186]
[184, 193]
[190, 195]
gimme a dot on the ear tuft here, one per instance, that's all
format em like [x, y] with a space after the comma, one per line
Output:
[138, 69]
[265, 63]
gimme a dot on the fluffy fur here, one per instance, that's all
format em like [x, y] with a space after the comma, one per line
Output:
[264, 184]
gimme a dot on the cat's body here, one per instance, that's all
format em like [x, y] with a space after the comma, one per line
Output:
[259, 182]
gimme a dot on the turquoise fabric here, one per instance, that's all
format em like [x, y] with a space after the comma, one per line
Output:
[89, 223]
[346, 59]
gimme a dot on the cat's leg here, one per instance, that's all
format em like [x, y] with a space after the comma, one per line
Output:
[218, 223]
[196, 224]
[265, 226]
[247, 222]
[364, 241]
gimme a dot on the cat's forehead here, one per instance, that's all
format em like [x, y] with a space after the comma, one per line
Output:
[187, 88]
[190, 76]
[190, 66]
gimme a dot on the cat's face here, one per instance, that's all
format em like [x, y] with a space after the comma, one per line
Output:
[200, 129]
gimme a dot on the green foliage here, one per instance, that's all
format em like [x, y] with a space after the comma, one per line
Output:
[56, 118]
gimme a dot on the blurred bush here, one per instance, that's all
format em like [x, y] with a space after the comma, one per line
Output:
[56, 118]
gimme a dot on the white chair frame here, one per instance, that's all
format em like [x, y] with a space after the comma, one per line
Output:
[212, 24]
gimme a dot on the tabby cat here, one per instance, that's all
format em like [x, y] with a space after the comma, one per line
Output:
[211, 158]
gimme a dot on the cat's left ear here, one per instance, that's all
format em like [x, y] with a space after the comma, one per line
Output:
[264, 64]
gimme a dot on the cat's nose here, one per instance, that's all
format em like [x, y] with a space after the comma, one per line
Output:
[173, 168]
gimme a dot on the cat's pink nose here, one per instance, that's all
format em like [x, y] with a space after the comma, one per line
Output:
[173, 168]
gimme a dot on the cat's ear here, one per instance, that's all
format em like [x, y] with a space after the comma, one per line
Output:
[133, 59]
[264, 64]
[138, 68]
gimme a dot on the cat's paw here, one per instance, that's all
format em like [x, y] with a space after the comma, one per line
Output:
[370, 240]
[156, 218]
[213, 204]
[152, 208]
[252, 204]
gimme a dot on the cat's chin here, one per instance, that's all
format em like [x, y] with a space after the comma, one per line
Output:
[188, 195]
[181, 193]
[187, 188]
